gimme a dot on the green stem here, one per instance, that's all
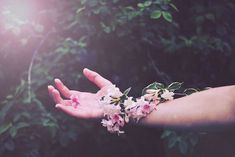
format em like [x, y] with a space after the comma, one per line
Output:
[36, 51]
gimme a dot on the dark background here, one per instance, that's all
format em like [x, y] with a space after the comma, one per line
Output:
[129, 42]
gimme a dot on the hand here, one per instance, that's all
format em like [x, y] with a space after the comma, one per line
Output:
[88, 102]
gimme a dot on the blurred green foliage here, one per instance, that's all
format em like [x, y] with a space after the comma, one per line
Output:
[132, 43]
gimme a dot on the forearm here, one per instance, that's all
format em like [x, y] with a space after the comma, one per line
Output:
[211, 107]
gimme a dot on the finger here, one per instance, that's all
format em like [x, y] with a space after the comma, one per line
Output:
[56, 96]
[96, 78]
[62, 88]
[50, 89]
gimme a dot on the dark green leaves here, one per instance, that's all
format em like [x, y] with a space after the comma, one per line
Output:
[145, 4]
[184, 142]
[5, 127]
[183, 146]
[167, 16]
[154, 85]
[174, 86]
[127, 91]
[156, 14]
[190, 91]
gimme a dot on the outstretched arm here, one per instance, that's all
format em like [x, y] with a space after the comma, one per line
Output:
[211, 107]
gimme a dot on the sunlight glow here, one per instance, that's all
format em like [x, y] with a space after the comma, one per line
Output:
[15, 14]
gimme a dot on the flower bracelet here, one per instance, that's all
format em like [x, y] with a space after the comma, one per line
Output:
[118, 108]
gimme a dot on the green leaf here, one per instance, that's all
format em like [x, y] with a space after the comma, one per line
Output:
[194, 139]
[167, 16]
[22, 125]
[159, 85]
[174, 86]
[5, 127]
[13, 131]
[183, 147]
[154, 85]
[140, 5]
[92, 3]
[80, 10]
[82, 42]
[9, 97]
[151, 86]
[172, 141]
[190, 91]
[147, 3]
[127, 91]
[166, 133]
[174, 7]
[21, 115]
[156, 14]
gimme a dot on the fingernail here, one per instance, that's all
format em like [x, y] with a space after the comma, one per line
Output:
[49, 86]
[86, 69]
[57, 80]
[57, 105]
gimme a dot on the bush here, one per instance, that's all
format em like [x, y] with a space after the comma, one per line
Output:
[133, 43]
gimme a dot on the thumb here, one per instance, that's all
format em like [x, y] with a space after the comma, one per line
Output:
[96, 78]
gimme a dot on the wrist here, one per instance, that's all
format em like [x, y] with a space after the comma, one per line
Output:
[119, 109]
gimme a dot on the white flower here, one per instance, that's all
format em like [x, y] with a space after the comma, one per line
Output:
[111, 94]
[141, 101]
[106, 123]
[130, 108]
[152, 95]
[110, 126]
[110, 109]
[151, 91]
[136, 112]
[167, 95]
[129, 102]
[113, 91]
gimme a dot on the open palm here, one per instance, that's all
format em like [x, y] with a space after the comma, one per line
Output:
[88, 102]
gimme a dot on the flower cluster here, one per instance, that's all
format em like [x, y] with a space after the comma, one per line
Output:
[118, 108]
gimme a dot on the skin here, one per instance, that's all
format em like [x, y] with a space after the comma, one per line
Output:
[213, 107]
[88, 107]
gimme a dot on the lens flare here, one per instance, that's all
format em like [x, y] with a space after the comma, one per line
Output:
[21, 10]
[15, 14]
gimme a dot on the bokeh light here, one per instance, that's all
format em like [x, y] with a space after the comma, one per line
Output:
[15, 14]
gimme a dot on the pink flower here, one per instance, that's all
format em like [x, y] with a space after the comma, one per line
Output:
[74, 101]
[142, 109]
[109, 109]
[147, 108]
[117, 119]
[112, 125]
